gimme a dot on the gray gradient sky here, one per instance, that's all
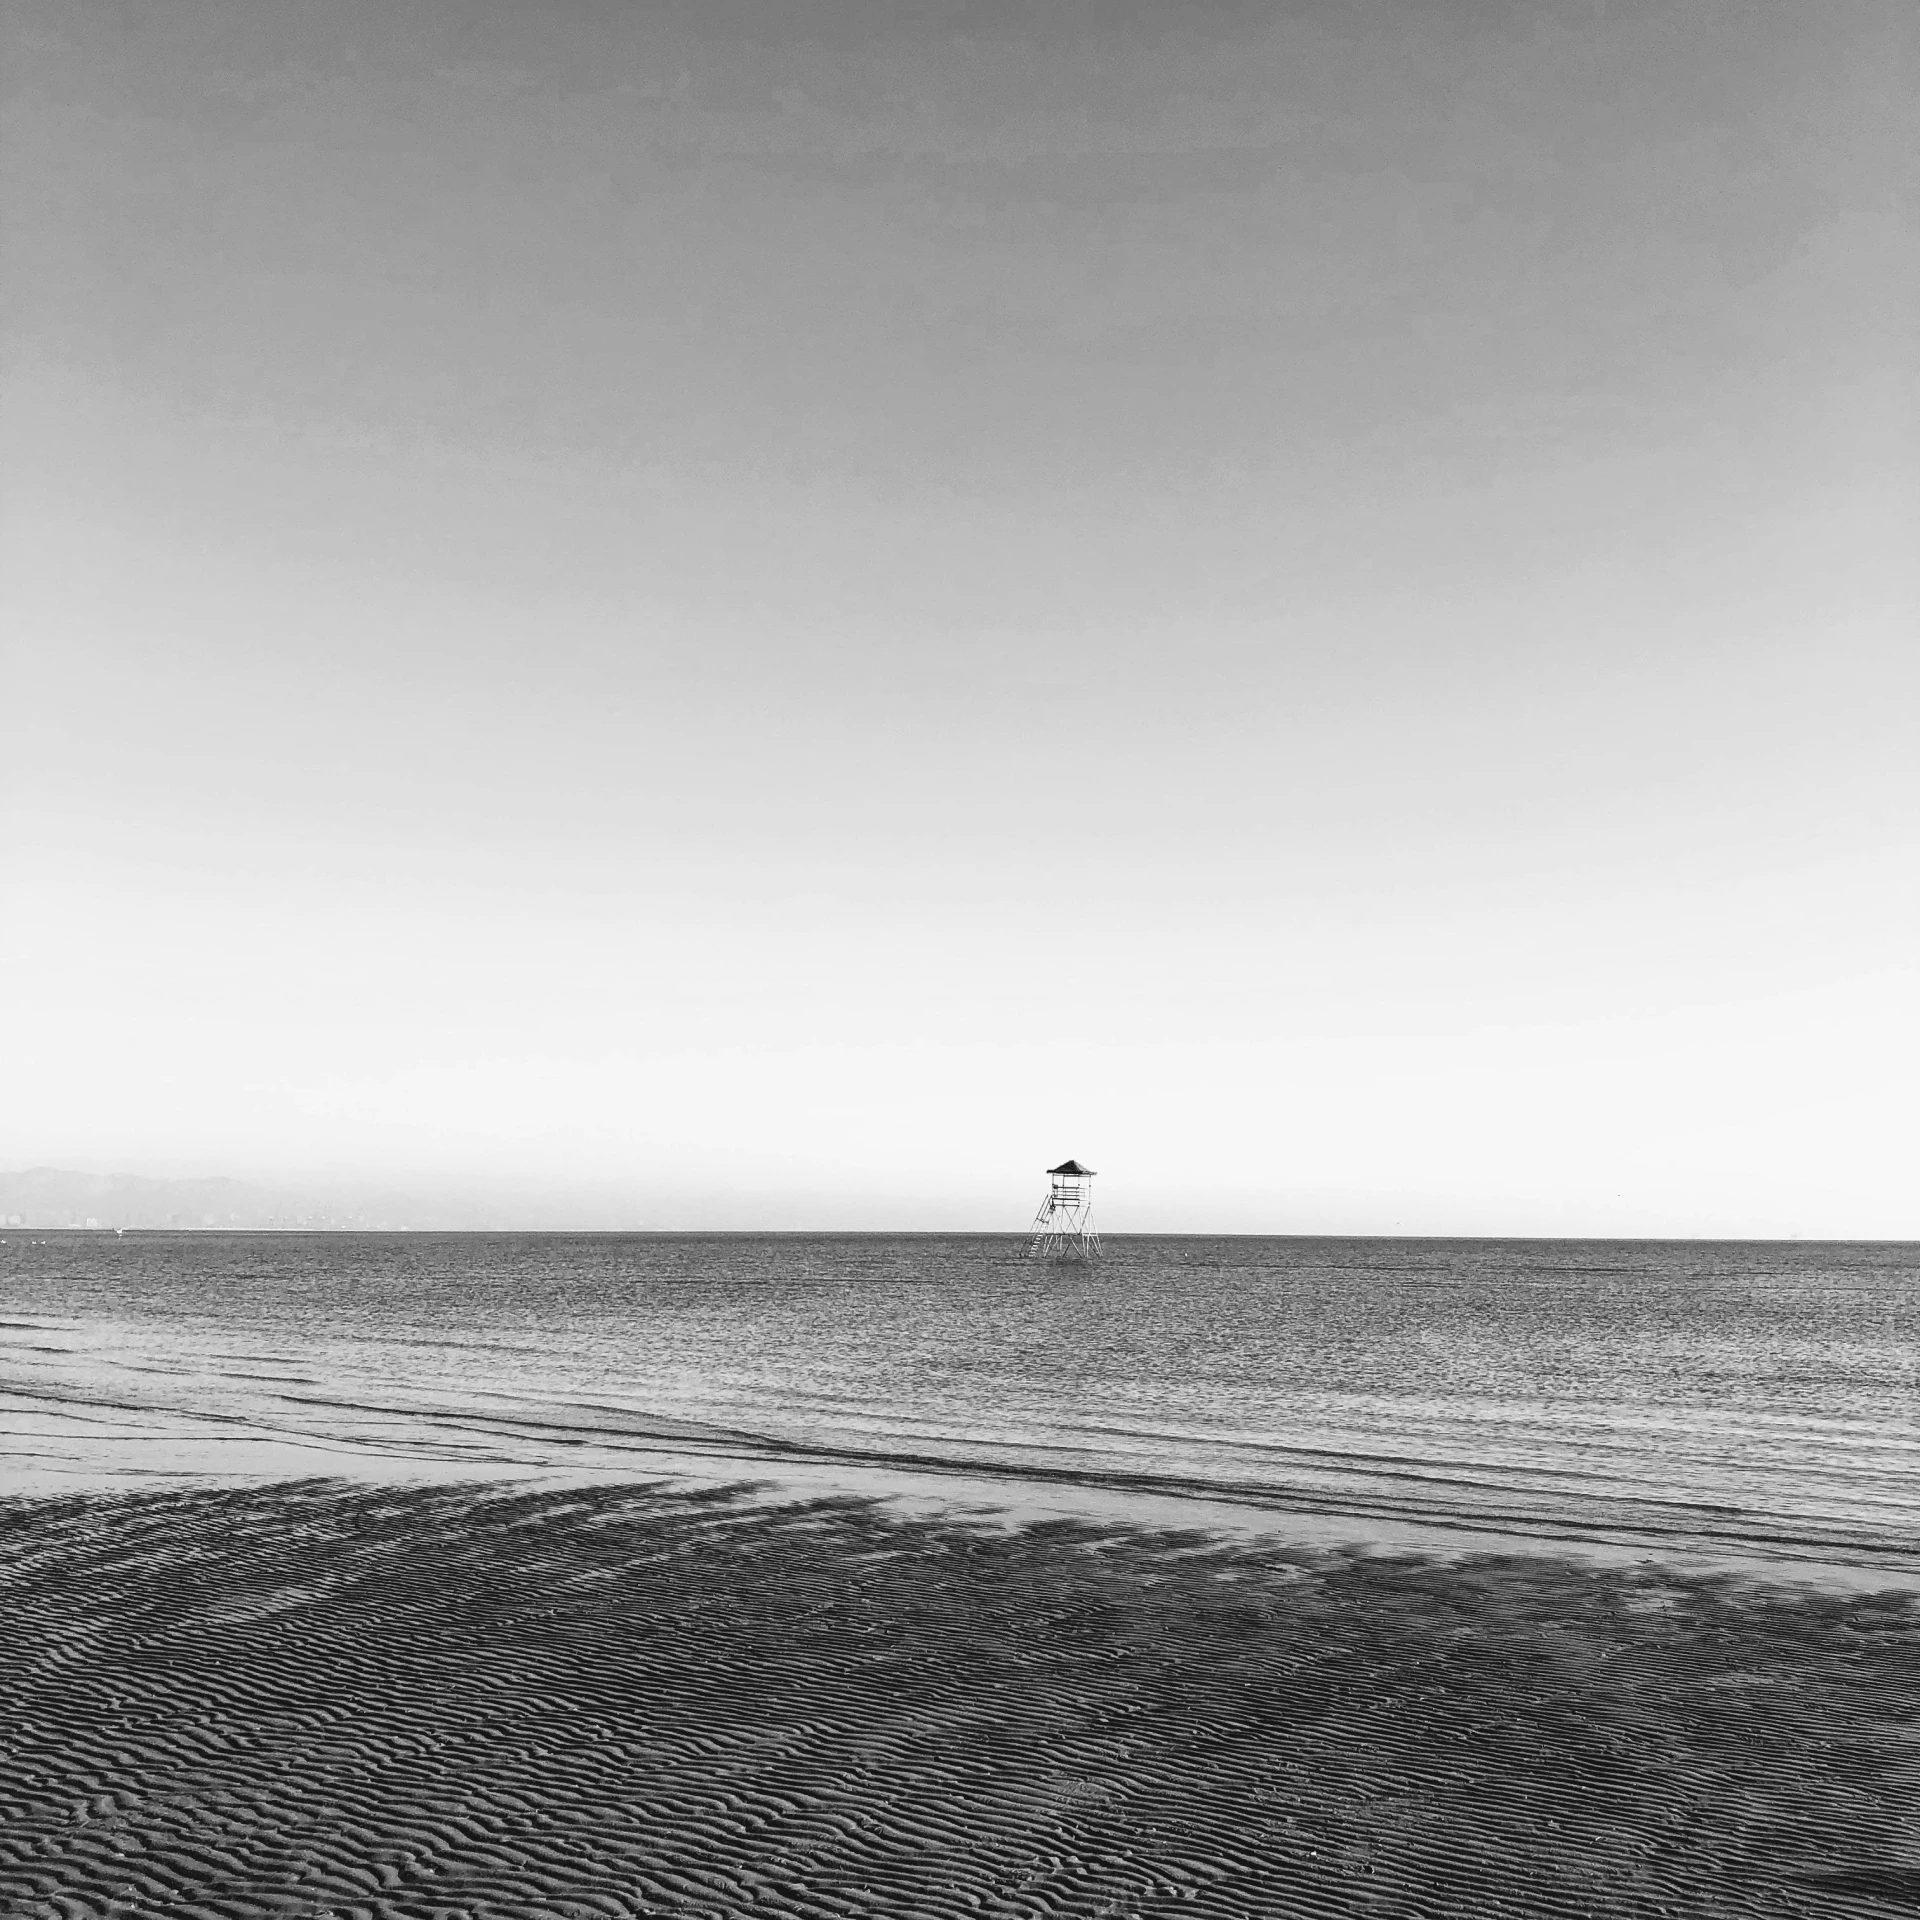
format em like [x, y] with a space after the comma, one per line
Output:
[783, 613]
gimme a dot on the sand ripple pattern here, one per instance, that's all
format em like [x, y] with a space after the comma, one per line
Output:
[331, 1702]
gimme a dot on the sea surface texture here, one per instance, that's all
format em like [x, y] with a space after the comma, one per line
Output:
[1758, 1398]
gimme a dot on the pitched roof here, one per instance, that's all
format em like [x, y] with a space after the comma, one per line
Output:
[1072, 1166]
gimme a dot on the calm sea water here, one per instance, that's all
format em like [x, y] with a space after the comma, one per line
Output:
[1705, 1394]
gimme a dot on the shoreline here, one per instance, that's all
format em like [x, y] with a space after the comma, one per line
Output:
[992, 1498]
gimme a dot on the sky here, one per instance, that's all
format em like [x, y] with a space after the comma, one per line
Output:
[777, 615]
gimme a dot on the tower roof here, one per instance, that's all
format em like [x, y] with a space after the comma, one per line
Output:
[1072, 1166]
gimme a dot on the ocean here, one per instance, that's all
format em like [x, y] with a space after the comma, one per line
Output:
[1749, 1398]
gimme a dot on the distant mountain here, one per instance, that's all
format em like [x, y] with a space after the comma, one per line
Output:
[55, 1197]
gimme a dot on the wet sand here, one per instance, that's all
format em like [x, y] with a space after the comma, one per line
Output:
[431, 1702]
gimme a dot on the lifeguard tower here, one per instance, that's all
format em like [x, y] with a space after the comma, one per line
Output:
[1063, 1228]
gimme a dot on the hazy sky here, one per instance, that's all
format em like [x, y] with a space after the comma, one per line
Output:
[783, 611]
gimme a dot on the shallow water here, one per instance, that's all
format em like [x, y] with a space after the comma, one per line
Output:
[1703, 1395]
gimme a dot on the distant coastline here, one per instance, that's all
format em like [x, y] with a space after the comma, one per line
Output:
[58, 1199]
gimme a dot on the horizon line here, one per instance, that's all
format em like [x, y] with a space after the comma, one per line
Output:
[983, 1233]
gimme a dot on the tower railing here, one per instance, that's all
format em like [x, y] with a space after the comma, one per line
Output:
[1063, 1228]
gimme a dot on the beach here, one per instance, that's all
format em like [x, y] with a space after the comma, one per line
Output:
[445, 1578]
[336, 1700]
[960, 961]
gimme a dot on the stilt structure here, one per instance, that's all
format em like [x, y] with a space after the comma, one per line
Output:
[1063, 1228]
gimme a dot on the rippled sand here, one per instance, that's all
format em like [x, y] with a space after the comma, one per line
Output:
[615, 1701]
